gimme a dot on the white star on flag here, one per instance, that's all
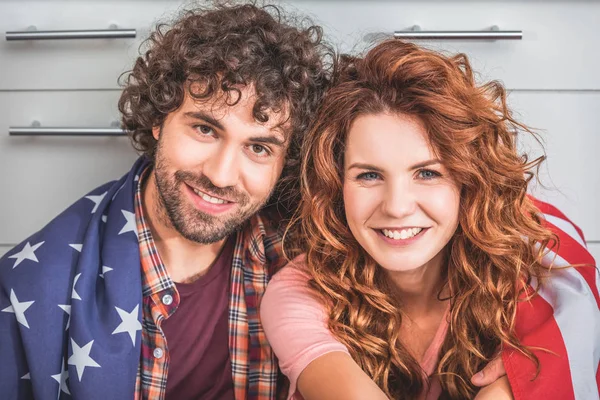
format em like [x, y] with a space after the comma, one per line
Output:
[105, 269]
[61, 378]
[77, 246]
[129, 323]
[18, 308]
[26, 376]
[97, 200]
[130, 225]
[104, 218]
[81, 358]
[74, 294]
[28, 253]
[66, 308]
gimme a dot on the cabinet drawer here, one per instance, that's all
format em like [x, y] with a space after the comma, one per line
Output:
[74, 63]
[41, 176]
[568, 123]
[556, 51]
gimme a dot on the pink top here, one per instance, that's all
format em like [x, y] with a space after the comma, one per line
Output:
[296, 326]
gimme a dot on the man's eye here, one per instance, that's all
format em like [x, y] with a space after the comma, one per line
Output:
[368, 176]
[259, 150]
[205, 130]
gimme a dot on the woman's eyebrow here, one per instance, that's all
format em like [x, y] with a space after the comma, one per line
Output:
[426, 163]
[365, 166]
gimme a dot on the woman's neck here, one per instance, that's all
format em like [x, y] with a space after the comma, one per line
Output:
[418, 290]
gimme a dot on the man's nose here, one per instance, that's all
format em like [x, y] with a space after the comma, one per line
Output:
[222, 167]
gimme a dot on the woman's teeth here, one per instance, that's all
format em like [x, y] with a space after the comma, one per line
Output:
[402, 234]
[209, 199]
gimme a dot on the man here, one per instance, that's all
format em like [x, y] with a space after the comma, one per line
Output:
[159, 274]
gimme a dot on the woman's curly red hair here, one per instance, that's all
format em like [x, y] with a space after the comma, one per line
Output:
[496, 249]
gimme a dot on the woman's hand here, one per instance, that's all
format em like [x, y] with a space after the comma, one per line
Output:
[493, 381]
[499, 390]
[493, 371]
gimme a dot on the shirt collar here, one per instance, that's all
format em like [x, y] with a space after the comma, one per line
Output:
[255, 237]
[155, 277]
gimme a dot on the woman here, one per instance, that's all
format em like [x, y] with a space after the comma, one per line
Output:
[421, 245]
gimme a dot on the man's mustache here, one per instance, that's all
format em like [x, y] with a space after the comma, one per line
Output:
[204, 183]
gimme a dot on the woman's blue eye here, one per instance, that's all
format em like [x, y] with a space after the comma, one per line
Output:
[428, 174]
[368, 176]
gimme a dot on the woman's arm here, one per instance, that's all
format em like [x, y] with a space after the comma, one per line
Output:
[317, 365]
[336, 376]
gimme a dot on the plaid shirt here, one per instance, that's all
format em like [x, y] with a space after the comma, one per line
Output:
[257, 254]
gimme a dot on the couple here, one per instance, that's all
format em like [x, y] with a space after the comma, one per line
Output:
[419, 257]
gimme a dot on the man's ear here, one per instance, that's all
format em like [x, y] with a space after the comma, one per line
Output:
[156, 132]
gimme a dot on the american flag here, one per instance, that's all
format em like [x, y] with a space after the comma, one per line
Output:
[562, 323]
[70, 302]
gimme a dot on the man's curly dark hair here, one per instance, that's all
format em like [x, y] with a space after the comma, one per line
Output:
[223, 46]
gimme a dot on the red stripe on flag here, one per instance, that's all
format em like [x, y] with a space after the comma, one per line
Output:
[555, 212]
[535, 326]
[574, 253]
[598, 376]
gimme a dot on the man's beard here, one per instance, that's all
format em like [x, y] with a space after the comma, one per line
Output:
[191, 223]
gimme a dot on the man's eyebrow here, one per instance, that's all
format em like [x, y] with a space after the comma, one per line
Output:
[205, 117]
[426, 163]
[365, 166]
[274, 140]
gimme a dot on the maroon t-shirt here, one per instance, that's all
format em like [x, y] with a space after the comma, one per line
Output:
[198, 336]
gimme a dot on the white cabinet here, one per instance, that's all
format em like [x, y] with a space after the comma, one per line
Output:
[559, 49]
[73, 64]
[568, 124]
[41, 176]
[552, 74]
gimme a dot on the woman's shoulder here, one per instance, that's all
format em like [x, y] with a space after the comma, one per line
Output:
[295, 271]
[289, 292]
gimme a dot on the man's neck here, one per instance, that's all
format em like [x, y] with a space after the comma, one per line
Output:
[184, 260]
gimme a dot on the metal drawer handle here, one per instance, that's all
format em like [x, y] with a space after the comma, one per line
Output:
[33, 34]
[493, 34]
[36, 130]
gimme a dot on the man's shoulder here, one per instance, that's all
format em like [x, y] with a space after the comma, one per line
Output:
[271, 220]
[262, 240]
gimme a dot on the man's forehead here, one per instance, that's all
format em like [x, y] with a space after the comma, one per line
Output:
[240, 100]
